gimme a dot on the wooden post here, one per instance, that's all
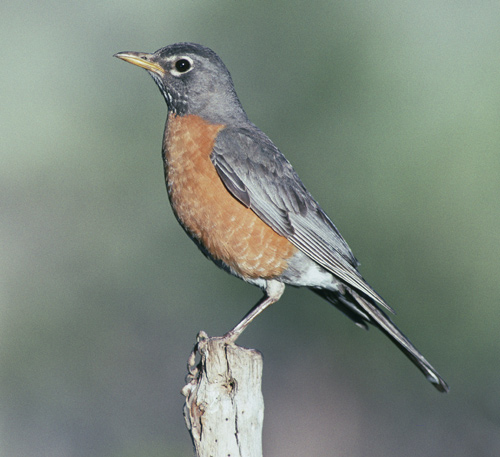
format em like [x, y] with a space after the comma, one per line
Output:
[224, 408]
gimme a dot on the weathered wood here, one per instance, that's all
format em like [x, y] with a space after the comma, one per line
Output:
[224, 408]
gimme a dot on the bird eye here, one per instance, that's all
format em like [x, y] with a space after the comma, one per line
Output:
[182, 65]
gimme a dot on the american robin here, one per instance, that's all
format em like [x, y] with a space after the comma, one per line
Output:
[239, 199]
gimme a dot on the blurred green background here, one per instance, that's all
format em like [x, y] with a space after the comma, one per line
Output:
[389, 111]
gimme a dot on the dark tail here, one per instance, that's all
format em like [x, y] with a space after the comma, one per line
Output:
[363, 310]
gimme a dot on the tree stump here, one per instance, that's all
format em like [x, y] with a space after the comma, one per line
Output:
[224, 408]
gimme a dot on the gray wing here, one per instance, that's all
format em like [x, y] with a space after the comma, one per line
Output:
[262, 179]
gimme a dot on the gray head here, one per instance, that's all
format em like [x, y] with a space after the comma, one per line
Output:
[193, 80]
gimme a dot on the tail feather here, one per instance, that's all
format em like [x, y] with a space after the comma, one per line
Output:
[363, 310]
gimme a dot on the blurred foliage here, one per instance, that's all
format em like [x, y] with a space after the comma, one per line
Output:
[389, 111]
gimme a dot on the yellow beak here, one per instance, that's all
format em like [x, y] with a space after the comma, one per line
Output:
[141, 59]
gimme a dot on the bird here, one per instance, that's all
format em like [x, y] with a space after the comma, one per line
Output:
[242, 203]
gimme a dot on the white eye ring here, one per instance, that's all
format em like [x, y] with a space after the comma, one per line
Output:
[181, 65]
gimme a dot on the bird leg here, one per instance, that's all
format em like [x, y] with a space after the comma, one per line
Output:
[274, 290]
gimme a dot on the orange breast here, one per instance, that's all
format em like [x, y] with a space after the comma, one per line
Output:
[227, 229]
